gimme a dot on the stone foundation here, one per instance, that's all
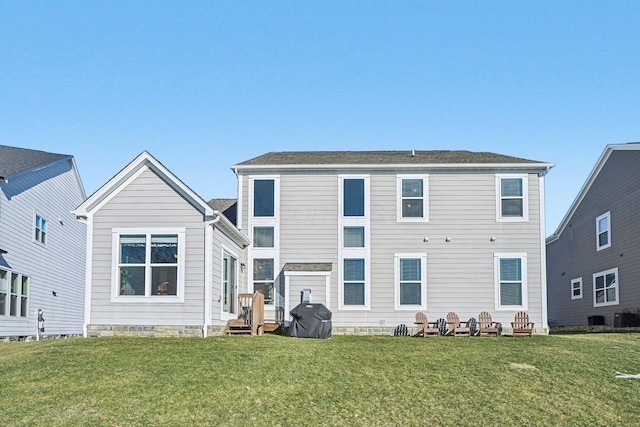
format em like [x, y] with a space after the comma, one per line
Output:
[144, 331]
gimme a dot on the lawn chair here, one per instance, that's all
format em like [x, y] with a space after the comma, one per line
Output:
[486, 326]
[426, 328]
[455, 328]
[521, 325]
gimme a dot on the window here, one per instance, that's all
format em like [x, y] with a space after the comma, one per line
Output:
[576, 288]
[229, 282]
[354, 282]
[264, 197]
[512, 201]
[263, 278]
[149, 264]
[353, 237]
[603, 231]
[353, 197]
[263, 237]
[14, 294]
[605, 288]
[40, 229]
[413, 198]
[410, 281]
[510, 272]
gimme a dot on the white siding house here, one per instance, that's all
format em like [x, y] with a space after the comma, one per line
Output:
[42, 252]
[159, 257]
[379, 236]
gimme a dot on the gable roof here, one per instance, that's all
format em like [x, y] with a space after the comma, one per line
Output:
[631, 146]
[228, 207]
[386, 159]
[146, 161]
[14, 160]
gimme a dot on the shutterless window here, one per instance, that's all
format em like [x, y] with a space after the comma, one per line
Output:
[4, 291]
[263, 197]
[605, 288]
[412, 198]
[353, 237]
[263, 237]
[576, 288]
[353, 197]
[354, 282]
[263, 278]
[603, 231]
[511, 281]
[40, 230]
[512, 197]
[410, 281]
[148, 264]
[228, 283]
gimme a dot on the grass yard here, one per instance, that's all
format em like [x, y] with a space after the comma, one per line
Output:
[346, 380]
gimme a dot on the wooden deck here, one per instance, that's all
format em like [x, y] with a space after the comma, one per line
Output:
[250, 319]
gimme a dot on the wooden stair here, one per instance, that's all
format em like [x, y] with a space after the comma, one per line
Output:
[237, 327]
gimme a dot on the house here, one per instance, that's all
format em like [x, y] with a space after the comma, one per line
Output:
[378, 236]
[160, 259]
[593, 258]
[42, 246]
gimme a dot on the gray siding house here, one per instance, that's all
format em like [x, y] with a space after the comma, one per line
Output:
[593, 258]
[379, 236]
[42, 246]
[160, 260]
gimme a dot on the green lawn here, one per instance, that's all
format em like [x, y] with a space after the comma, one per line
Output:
[346, 380]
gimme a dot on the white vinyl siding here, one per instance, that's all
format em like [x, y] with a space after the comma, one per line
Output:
[576, 288]
[605, 288]
[410, 281]
[512, 198]
[603, 231]
[413, 198]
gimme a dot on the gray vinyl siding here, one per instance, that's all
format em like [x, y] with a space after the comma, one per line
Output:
[460, 274]
[222, 242]
[147, 202]
[574, 253]
[52, 192]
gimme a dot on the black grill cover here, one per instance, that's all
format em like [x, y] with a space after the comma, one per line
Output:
[310, 321]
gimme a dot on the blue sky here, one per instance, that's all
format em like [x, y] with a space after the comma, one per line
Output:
[204, 85]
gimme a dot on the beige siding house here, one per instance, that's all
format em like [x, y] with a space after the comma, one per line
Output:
[159, 258]
[379, 236]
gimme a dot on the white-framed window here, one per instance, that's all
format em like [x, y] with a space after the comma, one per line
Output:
[605, 288]
[263, 237]
[410, 281]
[413, 198]
[148, 264]
[39, 229]
[264, 278]
[353, 238]
[512, 198]
[603, 231]
[14, 294]
[576, 288]
[510, 272]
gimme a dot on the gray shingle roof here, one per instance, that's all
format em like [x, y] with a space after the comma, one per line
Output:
[307, 266]
[408, 157]
[228, 207]
[14, 160]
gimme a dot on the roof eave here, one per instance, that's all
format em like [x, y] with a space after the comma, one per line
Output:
[398, 166]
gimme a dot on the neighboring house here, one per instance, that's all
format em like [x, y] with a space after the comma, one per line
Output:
[161, 260]
[42, 246]
[379, 236]
[593, 258]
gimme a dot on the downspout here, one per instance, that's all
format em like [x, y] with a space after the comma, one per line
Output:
[88, 274]
[208, 273]
[543, 250]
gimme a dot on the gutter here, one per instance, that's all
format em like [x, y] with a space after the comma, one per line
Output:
[208, 260]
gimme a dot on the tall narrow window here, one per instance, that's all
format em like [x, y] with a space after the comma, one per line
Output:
[4, 291]
[576, 288]
[24, 297]
[511, 283]
[605, 288]
[353, 197]
[40, 230]
[413, 198]
[229, 283]
[410, 281]
[264, 278]
[263, 197]
[15, 294]
[512, 203]
[354, 282]
[603, 231]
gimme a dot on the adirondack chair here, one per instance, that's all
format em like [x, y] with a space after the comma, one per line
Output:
[454, 326]
[521, 325]
[486, 326]
[426, 328]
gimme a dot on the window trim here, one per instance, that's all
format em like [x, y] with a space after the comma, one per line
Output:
[577, 281]
[425, 198]
[20, 315]
[496, 274]
[598, 219]
[525, 198]
[273, 281]
[225, 251]
[616, 286]
[147, 298]
[264, 220]
[397, 257]
[44, 236]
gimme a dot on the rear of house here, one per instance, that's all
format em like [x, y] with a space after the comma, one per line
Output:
[378, 236]
[593, 258]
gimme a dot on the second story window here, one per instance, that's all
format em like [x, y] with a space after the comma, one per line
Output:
[603, 231]
[353, 197]
[512, 198]
[413, 198]
[40, 230]
[263, 198]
